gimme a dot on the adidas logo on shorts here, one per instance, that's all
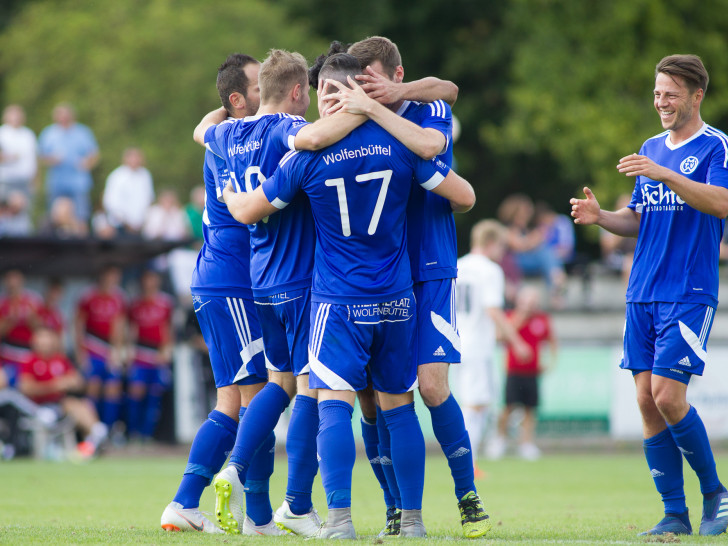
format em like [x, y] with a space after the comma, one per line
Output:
[440, 351]
[685, 361]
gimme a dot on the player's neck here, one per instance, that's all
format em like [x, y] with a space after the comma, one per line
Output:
[686, 131]
[284, 107]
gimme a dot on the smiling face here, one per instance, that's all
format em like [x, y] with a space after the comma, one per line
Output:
[677, 106]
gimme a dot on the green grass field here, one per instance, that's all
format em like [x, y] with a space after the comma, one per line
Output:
[580, 498]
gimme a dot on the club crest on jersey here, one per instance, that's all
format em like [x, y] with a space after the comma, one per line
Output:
[689, 164]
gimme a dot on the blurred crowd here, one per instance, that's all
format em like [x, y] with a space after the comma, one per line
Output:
[67, 150]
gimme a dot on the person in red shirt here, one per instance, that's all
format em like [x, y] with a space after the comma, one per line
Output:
[522, 371]
[18, 316]
[49, 379]
[150, 332]
[100, 324]
[49, 314]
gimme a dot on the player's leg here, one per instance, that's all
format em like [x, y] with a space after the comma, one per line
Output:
[112, 395]
[83, 413]
[135, 398]
[681, 351]
[437, 346]
[158, 384]
[529, 399]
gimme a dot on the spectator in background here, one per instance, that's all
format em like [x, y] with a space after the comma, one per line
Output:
[151, 336]
[558, 232]
[62, 221]
[523, 370]
[18, 316]
[18, 150]
[480, 297]
[101, 227]
[14, 215]
[69, 150]
[618, 251]
[166, 219]
[50, 380]
[129, 193]
[527, 242]
[99, 328]
[195, 209]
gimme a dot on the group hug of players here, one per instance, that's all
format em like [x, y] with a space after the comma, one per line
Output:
[327, 273]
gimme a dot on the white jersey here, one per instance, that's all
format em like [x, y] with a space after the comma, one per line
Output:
[480, 286]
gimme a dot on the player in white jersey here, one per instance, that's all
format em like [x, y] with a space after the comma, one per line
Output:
[480, 294]
[677, 213]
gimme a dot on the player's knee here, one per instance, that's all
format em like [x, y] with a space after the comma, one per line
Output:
[672, 408]
[434, 393]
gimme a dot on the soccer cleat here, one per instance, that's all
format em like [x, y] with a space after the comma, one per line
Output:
[671, 523]
[339, 525]
[715, 515]
[496, 448]
[529, 452]
[476, 523]
[411, 524]
[394, 523]
[306, 525]
[176, 518]
[270, 528]
[229, 493]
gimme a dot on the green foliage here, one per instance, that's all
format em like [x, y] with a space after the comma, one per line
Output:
[140, 72]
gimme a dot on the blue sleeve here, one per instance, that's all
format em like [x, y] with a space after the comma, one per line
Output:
[429, 174]
[91, 144]
[285, 133]
[718, 169]
[282, 187]
[215, 137]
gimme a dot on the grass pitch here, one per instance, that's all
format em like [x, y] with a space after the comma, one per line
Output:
[580, 498]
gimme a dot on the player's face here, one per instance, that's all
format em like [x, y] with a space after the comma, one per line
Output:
[673, 101]
[252, 99]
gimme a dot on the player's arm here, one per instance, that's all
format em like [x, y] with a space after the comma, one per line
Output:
[247, 208]
[624, 222]
[429, 89]
[79, 324]
[118, 331]
[327, 131]
[211, 118]
[508, 333]
[707, 198]
[425, 142]
[455, 189]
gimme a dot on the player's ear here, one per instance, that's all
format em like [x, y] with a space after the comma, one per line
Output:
[296, 92]
[237, 100]
[399, 74]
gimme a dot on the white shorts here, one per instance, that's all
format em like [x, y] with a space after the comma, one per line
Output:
[475, 382]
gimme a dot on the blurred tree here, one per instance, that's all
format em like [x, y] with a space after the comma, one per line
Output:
[140, 72]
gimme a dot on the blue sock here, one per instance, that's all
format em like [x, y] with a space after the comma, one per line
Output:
[210, 448]
[257, 483]
[449, 428]
[151, 413]
[692, 440]
[371, 448]
[134, 415]
[408, 454]
[666, 466]
[260, 419]
[301, 451]
[335, 443]
[385, 459]
[110, 411]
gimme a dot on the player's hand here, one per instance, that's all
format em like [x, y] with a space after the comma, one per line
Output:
[640, 165]
[379, 87]
[227, 191]
[351, 99]
[522, 351]
[585, 211]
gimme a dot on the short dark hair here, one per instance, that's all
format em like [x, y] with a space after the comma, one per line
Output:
[688, 67]
[377, 48]
[313, 72]
[338, 66]
[231, 78]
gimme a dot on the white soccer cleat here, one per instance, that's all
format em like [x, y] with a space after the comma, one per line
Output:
[270, 528]
[229, 496]
[496, 448]
[306, 525]
[529, 452]
[176, 518]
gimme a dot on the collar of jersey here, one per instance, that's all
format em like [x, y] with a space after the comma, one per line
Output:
[403, 108]
[672, 146]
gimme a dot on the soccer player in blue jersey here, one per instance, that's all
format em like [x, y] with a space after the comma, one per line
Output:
[362, 310]
[432, 246]
[223, 303]
[677, 213]
[281, 265]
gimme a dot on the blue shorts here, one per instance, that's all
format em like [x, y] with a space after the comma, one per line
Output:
[234, 341]
[100, 369]
[159, 377]
[668, 339]
[350, 344]
[284, 320]
[437, 334]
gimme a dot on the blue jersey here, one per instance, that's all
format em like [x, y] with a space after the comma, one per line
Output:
[223, 264]
[281, 246]
[676, 259]
[358, 189]
[431, 235]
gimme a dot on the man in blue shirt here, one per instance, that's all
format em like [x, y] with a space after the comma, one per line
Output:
[432, 247]
[677, 213]
[362, 307]
[69, 150]
[281, 264]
